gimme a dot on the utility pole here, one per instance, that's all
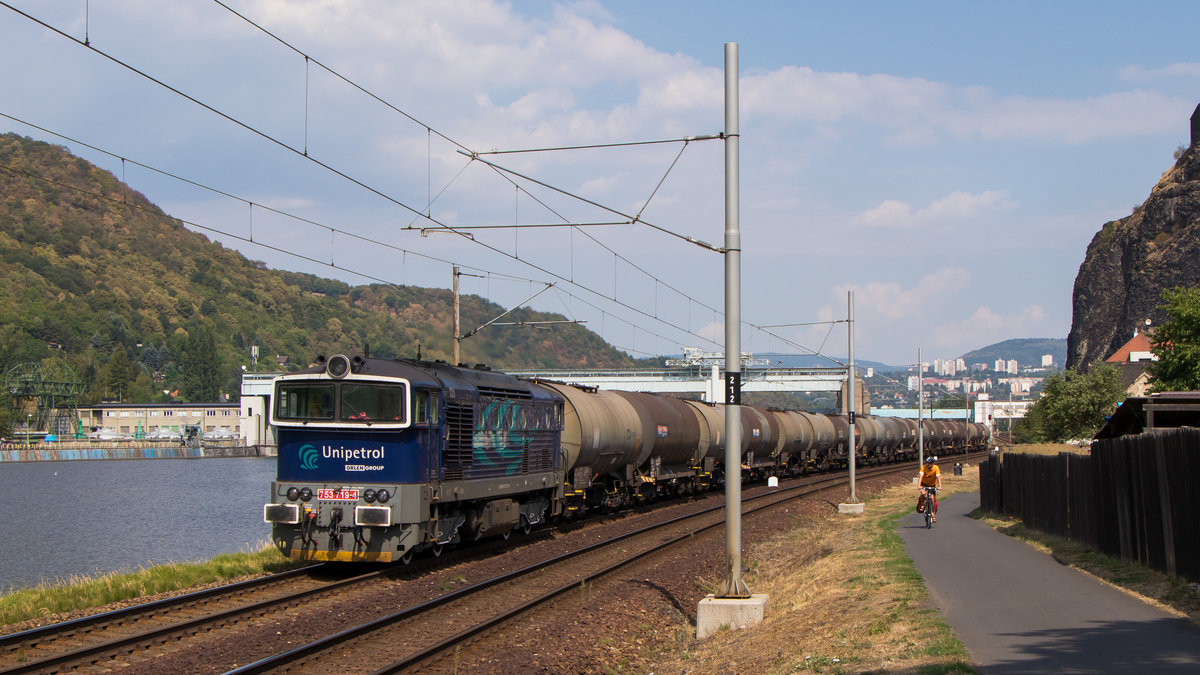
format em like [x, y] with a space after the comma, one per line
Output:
[853, 506]
[457, 339]
[733, 586]
[851, 393]
[732, 605]
[920, 410]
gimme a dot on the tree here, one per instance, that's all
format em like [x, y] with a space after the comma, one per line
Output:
[119, 374]
[1031, 427]
[1073, 405]
[1176, 342]
[200, 368]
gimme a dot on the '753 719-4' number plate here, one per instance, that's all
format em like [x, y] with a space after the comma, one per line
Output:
[337, 494]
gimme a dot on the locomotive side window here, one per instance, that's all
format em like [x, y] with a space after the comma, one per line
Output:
[377, 403]
[425, 407]
[304, 401]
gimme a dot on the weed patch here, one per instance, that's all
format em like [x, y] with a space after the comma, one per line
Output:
[80, 594]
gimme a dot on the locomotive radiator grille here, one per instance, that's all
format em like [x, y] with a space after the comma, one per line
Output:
[460, 423]
[498, 438]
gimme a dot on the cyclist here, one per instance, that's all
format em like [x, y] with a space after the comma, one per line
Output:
[930, 483]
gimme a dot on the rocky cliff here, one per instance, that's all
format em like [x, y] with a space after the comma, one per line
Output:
[1132, 260]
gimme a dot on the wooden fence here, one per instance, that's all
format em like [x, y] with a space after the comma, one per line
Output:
[1135, 497]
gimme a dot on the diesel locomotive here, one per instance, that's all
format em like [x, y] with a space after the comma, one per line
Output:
[382, 459]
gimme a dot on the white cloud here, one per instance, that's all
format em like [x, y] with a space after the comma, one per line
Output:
[713, 330]
[597, 186]
[985, 327]
[1114, 115]
[882, 310]
[917, 111]
[890, 300]
[1141, 74]
[955, 207]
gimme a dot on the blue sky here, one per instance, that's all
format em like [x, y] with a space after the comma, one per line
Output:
[948, 162]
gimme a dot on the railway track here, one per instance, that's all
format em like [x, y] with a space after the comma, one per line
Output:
[86, 640]
[433, 635]
[127, 637]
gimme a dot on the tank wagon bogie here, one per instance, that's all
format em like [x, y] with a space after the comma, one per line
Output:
[380, 459]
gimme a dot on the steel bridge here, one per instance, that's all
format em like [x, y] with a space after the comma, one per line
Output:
[707, 382]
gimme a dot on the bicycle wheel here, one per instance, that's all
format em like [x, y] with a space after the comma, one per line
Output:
[928, 518]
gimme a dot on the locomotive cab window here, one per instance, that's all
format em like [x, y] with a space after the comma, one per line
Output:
[373, 403]
[304, 401]
[425, 407]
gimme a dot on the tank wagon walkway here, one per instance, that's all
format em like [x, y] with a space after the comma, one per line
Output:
[1019, 611]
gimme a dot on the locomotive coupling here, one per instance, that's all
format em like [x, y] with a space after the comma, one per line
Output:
[335, 520]
[307, 528]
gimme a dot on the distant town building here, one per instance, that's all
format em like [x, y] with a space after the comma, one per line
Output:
[947, 368]
[1020, 385]
[978, 386]
[159, 420]
[1047, 360]
[1012, 366]
[999, 366]
[1000, 414]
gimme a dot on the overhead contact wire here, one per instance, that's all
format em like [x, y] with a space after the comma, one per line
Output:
[346, 176]
[330, 168]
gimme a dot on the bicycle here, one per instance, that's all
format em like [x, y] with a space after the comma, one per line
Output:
[927, 504]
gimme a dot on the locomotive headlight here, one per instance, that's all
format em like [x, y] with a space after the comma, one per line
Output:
[305, 494]
[369, 495]
[293, 493]
[383, 496]
[338, 366]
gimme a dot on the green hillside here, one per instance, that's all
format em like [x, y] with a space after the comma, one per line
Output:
[1027, 352]
[98, 279]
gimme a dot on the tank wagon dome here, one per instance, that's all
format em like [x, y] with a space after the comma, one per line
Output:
[841, 428]
[670, 429]
[869, 433]
[760, 432]
[601, 430]
[711, 417]
[795, 432]
[894, 432]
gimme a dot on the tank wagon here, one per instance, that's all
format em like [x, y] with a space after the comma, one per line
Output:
[382, 459]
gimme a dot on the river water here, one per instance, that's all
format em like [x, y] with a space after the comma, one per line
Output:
[91, 517]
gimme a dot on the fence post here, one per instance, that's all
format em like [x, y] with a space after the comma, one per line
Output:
[1164, 503]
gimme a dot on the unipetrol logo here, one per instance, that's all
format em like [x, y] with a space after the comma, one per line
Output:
[308, 457]
[311, 456]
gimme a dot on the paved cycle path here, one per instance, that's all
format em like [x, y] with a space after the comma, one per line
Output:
[1019, 611]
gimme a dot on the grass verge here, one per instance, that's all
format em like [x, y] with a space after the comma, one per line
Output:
[844, 598]
[78, 595]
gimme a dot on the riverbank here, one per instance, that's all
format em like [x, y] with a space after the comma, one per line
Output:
[26, 608]
[82, 450]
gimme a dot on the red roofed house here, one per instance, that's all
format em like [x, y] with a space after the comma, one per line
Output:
[1131, 360]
